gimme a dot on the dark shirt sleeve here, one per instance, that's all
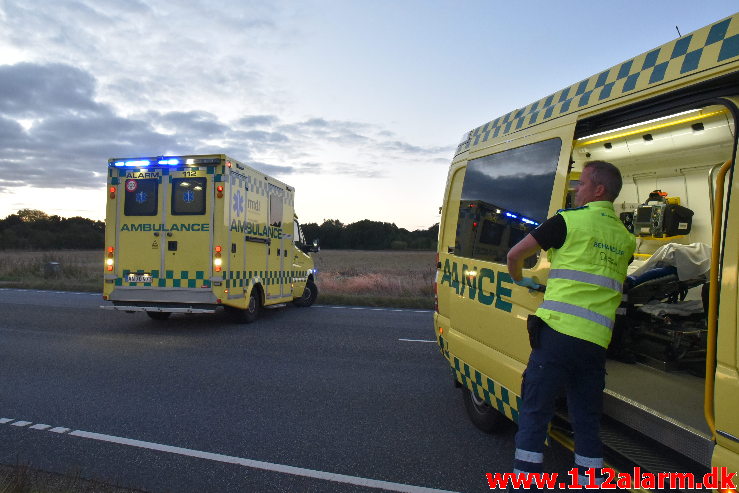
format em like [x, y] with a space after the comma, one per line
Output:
[551, 233]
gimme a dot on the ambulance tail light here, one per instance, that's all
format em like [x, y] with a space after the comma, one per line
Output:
[217, 260]
[109, 259]
[219, 191]
[112, 191]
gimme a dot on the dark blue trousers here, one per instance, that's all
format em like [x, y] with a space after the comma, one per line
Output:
[561, 362]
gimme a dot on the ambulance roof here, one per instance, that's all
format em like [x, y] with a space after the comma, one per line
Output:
[711, 46]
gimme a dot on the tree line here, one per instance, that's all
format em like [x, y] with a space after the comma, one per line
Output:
[36, 230]
[370, 235]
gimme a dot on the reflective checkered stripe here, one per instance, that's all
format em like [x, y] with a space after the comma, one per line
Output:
[170, 279]
[706, 48]
[236, 279]
[497, 396]
[258, 185]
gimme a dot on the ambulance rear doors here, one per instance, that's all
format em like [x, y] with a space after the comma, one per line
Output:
[164, 233]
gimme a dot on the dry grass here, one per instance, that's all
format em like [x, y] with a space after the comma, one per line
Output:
[376, 278]
[356, 277]
[78, 270]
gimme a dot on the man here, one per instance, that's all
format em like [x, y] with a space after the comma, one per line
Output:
[589, 249]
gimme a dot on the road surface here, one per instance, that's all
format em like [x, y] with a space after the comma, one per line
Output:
[324, 399]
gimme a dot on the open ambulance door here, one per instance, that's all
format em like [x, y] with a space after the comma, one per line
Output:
[722, 392]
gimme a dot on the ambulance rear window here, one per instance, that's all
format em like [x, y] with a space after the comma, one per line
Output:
[188, 196]
[141, 197]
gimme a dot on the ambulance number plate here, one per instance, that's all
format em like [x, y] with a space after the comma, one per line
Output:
[139, 278]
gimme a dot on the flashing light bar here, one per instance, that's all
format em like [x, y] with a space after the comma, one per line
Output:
[522, 219]
[140, 163]
[163, 161]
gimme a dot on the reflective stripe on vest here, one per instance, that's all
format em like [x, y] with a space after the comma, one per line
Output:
[576, 275]
[577, 311]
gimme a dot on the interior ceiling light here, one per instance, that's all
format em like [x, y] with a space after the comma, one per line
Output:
[583, 142]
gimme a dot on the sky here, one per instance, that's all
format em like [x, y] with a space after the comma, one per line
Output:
[358, 105]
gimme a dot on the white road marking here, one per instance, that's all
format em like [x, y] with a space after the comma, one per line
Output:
[229, 459]
[257, 464]
[415, 340]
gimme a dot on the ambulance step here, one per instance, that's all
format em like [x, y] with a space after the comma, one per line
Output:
[625, 449]
[278, 305]
[674, 435]
[629, 449]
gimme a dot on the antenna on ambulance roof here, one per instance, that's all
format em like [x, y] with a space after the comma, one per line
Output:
[678, 32]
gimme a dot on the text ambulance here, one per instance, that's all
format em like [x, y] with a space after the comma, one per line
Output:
[188, 234]
[667, 119]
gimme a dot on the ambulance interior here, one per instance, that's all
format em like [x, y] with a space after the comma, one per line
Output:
[655, 372]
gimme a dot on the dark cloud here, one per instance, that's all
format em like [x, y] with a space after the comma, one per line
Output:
[200, 123]
[262, 136]
[71, 136]
[28, 90]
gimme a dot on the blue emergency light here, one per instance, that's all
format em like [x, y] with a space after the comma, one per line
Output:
[169, 162]
[522, 219]
[141, 163]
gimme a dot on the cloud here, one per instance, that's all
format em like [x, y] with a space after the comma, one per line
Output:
[257, 121]
[54, 132]
[28, 90]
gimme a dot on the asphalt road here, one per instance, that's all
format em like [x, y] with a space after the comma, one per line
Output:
[324, 399]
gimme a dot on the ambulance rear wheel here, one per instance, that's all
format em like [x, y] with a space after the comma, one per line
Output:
[310, 293]
[252, 308]
[482, 415]
[159, 315]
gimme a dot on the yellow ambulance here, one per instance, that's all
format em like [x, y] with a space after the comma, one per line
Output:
[190, 234]
[667, 119]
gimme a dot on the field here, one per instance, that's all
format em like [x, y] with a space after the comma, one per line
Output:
[348, 277]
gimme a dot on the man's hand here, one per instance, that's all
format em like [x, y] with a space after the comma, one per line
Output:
[521, 251]
[528, 282]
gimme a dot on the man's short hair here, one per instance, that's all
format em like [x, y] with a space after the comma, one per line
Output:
[606, 174]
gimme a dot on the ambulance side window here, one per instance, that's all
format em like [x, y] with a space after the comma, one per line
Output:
[142, 197]
[275, 210]
[298, 234]
[188, 196]
[504, 197]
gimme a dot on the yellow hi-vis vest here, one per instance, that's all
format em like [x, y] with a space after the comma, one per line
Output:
[587, 274]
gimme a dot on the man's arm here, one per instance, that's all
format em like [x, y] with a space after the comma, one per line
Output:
[520, 252]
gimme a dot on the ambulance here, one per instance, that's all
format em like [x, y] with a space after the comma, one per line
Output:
[667, 119]
[190, 234]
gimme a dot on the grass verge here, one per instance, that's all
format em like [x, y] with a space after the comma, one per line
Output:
[397, 279]
[21, 478]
